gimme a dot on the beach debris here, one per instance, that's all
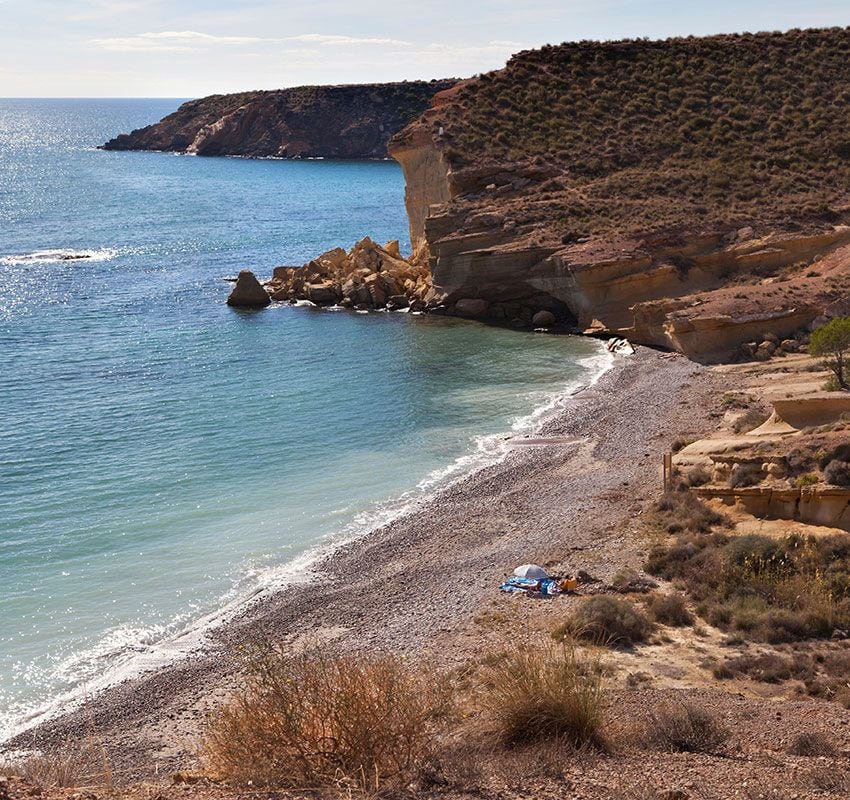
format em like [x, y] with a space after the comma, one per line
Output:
[248, 292]
[534, 581]
[622, 347]
[531, 571]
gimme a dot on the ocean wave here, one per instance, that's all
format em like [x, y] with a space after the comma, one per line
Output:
[129, 651]
[57, 256]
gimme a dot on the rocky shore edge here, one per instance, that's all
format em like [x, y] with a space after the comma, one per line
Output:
[372, 277]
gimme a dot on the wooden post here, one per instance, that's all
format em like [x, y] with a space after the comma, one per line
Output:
[668, 470]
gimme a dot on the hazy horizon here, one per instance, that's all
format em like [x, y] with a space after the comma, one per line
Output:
[152, 49]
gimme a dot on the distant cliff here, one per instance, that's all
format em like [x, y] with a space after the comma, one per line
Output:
[309, 121]
[677, 192]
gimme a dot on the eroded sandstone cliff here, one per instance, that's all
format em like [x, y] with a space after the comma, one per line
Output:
[317, 121]
[676, 192]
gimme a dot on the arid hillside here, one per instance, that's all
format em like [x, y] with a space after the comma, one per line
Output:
[320, 121]
[611, 174]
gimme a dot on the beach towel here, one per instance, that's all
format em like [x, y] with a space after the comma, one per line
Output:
[545, 588]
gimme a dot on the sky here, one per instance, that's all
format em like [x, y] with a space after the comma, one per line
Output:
[191, 48]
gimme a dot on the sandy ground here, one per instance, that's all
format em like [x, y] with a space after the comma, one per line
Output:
[415, 586]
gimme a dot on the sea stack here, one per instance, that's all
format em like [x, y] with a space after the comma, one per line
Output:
[248, 292]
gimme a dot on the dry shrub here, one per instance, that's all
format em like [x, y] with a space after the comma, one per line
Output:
[771, 667]
[811, 743]
[838, 473]
[670, 609]
[772, 590]
[680, 512]
[320, 719]
[685, 728]
[829, 779]
[609, 621]
[65, 768]
[548, 693]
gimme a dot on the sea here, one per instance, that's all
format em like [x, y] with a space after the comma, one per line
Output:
[164, 457]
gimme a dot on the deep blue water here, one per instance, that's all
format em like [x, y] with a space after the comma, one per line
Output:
[161, 454]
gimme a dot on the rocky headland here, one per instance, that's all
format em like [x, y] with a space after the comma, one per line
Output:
[302, 122]
[689, 193]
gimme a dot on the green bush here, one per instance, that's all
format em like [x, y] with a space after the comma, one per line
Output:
[832, 342]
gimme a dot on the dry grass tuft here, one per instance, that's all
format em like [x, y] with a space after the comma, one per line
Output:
[811, 744]
[321, 719]
[544, 694]
[67, 768]
[684, 512]
[685, 728]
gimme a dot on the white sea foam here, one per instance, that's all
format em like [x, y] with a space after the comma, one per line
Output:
[57, 256]
[129, 651]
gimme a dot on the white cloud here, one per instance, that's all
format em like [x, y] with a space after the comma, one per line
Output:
[188, 41]
[322, 38]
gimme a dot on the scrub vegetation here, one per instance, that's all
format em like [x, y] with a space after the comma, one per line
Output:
[653, 134]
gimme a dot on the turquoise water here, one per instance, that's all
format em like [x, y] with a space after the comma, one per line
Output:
[162, 455]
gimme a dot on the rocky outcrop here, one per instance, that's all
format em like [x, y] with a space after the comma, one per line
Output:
[827, 506]
[312, 121]
[366, 277]
[248, 292]
[569, 179]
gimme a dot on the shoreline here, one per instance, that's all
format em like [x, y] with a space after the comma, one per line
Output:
[412, 586]
[308, 565]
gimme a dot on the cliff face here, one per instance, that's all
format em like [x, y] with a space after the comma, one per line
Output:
[320, 121]
[675, 192]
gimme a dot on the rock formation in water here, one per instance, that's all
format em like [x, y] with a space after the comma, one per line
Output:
[371, 276]
[690, 193]
[310, 121]
[248, 292]
[366, 277]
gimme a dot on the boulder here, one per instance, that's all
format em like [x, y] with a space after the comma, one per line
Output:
[543, 319]
[356, 292]
[336, 259]
[281, 295]
[398, 301]
[365, 255]
[322, 294]
[248, 292]
[393, 249]
[376, 290]
[472, 307]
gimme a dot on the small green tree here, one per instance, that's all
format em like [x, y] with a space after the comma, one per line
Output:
[832, 342]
